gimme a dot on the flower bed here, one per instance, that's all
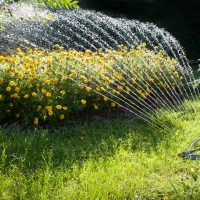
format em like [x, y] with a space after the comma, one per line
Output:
[47, 86]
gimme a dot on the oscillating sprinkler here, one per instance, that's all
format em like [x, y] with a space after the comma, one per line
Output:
[189, 154]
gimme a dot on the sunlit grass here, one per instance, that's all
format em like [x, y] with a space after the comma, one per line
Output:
[110, 159]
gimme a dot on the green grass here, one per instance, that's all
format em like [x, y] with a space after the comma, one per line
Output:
[109, 159]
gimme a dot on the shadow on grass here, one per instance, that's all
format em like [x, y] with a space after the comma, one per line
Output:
[69, 146]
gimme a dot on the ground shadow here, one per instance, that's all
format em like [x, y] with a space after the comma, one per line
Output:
[73, 145]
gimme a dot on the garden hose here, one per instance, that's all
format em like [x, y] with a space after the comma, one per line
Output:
[189, 154]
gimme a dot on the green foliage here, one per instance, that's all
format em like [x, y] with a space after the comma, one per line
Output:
[68, 4]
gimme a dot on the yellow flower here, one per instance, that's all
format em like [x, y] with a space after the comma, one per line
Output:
[151, 80]
[26, 96]
[50, 113]
[62, 117]
[58, 107]
[120, 88]
[20, 75]
[8, 89]
[39, 107]
[47, 81]
[65, 108]
[48, 94]
[12, 83]
[83, 101]
[17, 89]
[72, 75]
[19, 50]
[85, 81]
[36, 121]
[34, 94]
[133, 80]
[88, 89]
[62, 92]
[1, 97]
[113, 104]
[15, 95]
[49, 108]
[95, 106]
[6, 68]
[37, 76]
[175, 73]
[64, 78]
[44, 91]
[113, 91]
[12, 74]
[98, 89]
[102, 89]
[105, 98]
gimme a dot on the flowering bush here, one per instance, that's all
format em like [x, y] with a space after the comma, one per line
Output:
[46, 86]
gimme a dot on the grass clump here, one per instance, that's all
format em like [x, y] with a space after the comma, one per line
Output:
[49, 86]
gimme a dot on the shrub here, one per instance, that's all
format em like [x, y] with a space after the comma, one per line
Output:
[69, 4]
[46, 86]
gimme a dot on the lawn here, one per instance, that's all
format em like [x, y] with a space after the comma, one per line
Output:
[120, 158]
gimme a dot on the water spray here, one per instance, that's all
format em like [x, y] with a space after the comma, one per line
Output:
[87, 30]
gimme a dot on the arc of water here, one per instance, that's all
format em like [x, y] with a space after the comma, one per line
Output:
[113, 38]
[164, 74]
[167, 80]
[169, 87]
[169, 102]
[186, 65]
[190, 68]
[147, 39]
[11, 37]
[186, 69]
[87, 32]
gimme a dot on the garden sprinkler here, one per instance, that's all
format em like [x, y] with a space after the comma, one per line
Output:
[189, 154]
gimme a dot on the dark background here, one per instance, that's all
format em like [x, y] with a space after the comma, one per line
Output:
[180, 17]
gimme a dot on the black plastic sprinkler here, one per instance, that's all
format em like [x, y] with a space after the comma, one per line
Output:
[189, 154]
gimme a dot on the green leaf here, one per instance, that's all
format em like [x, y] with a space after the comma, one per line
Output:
[68, 4]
